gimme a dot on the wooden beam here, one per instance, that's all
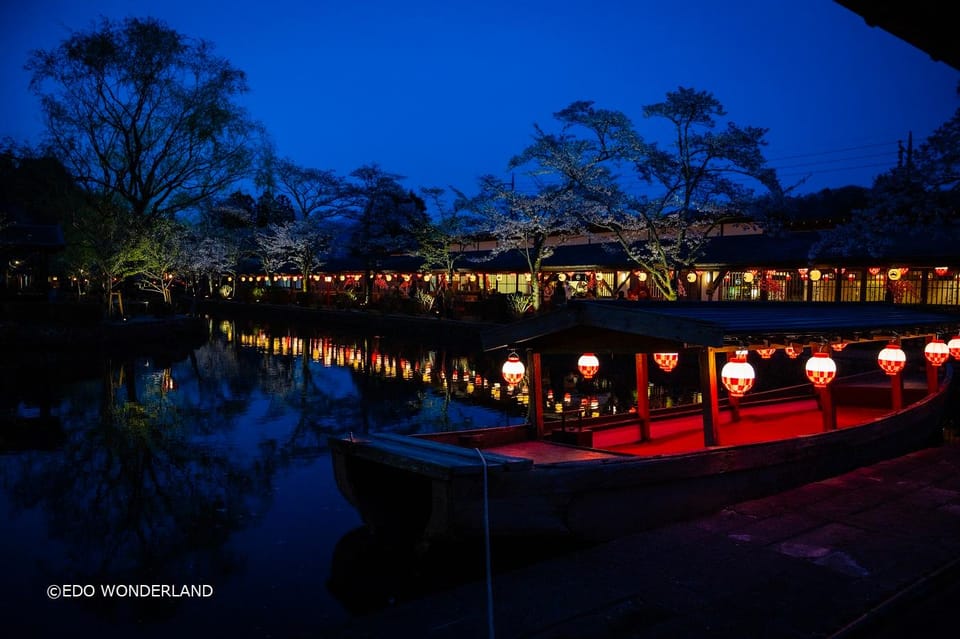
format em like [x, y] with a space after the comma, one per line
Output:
[828, 408]
[710, 396]
[896, 391]
[536, 392]
[643, 399]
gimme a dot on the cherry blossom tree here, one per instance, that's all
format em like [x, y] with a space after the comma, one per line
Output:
[659, 204]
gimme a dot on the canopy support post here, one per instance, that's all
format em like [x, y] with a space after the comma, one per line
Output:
[643, 398]
[710, 396]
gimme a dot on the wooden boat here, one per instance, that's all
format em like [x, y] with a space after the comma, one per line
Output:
[591, 483]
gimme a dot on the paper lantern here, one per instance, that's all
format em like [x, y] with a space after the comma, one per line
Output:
[766, 353]
[666, 361]
[838, 346]
[936, 352]
[892, 359]
[954, 346]
[737, 376]
[791, 352]
[821, 369]
[588, 365]
[513, 370]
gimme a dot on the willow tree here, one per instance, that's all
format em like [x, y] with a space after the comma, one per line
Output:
[143, 117]
[660, 205]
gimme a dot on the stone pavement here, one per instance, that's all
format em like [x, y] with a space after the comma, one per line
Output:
[843, 557]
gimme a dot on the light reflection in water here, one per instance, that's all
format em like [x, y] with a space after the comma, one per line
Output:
[210, 465]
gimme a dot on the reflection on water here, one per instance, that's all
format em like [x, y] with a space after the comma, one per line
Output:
[209, 465]
[205, 467]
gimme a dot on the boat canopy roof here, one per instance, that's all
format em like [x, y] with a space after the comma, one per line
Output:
[620, 326]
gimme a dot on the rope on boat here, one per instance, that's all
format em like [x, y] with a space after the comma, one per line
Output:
[486, 540]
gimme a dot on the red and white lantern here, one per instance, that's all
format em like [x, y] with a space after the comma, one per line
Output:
[737, 376]
[791, 352]
[821, 369]
[766, 353]
[513, 370]
[588, 365]
[954, 347]
[666, 361]
[892, 359]
[936, 352]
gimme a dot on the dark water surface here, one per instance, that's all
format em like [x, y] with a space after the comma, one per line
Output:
[208, 469]
[204, 470]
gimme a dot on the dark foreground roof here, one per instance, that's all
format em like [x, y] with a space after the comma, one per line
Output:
[628, 327]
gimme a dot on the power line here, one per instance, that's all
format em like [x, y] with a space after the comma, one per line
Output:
[843, 150]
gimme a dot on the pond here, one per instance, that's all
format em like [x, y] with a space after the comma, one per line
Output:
[196, 483]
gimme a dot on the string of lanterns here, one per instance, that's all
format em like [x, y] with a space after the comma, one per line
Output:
[738, 376]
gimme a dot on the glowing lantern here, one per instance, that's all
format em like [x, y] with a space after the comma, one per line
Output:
[941, 270]
[838, 346]
[821, 369]
[892, 359]
[954, 346]
[791, 352]
[936, 352]
[766, 353]
[666, 361]
[737, 376]
[513, 370]
[588, 365]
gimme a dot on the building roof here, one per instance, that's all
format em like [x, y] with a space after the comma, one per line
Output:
[925, 25]
[630, 327]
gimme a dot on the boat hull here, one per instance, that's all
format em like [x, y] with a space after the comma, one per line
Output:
[602, 499]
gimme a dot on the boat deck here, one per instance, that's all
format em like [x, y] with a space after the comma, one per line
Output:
[684, 434]
[543, 452]
[771, 422]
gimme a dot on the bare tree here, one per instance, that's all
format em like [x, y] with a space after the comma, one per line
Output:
[143, 115]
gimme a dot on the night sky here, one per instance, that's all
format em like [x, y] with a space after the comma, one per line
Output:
[443, 92]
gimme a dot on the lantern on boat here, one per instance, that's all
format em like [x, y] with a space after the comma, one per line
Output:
[513, 370]
[936, 352]
[666, 361]
[791, 352]
[954, 346]
[821, 369]
[737, 376]
[892, 359]
[766, 353]
[838, 346]
[588, 365]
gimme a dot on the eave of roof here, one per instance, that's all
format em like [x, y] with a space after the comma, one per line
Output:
[626, 326]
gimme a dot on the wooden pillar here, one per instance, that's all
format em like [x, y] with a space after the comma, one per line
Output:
[643, 399]
[933, 383]
[828, 408]
[837, 285]
[925, 286]
[535, 415]
[710, 396]
[896, 391]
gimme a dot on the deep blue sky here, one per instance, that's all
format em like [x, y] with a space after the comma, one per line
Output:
[444, 91]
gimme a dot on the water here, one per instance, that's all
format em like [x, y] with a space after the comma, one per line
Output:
[209, 467]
